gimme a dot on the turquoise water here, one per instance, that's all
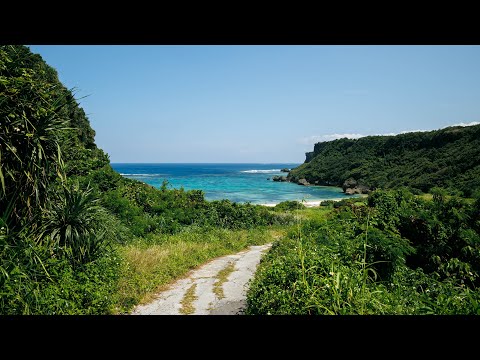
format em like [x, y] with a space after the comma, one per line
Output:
[236, 182]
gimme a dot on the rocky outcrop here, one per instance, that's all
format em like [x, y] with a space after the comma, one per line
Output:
[285, 170]
[326, 183]
[351, 186]
[303, 182]
[279, 178]
[348, 184]
[360, 189]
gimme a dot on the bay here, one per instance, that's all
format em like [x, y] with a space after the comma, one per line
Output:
[246, 182]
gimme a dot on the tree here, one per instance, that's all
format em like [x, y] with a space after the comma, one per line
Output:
[31, 122]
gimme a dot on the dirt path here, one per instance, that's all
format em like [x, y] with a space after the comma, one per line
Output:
[216, 288]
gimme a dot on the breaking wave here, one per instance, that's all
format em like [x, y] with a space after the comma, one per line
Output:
[146, 175]
[261, 171]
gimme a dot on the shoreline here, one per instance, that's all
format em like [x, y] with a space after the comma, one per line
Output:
[306, 203]
[313, 203]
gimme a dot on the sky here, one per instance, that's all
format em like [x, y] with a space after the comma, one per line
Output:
[261, 103]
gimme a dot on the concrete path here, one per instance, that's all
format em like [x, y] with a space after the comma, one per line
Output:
[216, 288]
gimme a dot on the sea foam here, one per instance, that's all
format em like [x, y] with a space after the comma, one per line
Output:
[260, 171]
[149, 175]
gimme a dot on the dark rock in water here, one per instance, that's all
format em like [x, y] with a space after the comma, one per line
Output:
[285, 170]
[268, 178]
[303, 182]
[279, 178]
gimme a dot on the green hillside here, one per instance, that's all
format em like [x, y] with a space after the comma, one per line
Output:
[71, 228]
[448, 158]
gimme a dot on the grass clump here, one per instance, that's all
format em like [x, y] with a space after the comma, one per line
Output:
[188, 300]
[222, 278]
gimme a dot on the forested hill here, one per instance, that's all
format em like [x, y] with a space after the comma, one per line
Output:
[23, 68]
[448, 158]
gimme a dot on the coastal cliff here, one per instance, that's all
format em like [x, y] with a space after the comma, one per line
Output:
[449, 158]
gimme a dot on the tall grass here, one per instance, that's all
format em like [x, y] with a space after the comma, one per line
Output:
[343, 286]
[299, 276]
[396, 255]
[151, 264]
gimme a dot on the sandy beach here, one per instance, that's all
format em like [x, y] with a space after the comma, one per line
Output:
[313, 203]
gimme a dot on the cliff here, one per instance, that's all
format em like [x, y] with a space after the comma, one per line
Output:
[448, 158]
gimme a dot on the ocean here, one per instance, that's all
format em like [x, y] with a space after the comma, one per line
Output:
[236, 182]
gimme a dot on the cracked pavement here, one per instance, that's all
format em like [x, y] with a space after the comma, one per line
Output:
[205, 301]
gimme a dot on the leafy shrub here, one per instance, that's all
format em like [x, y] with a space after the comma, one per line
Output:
[327, 203]
[35, 282]
[398, 255]
[289, 205]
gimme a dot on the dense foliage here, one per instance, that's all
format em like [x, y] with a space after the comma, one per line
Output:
[289, 205]
[54, 253]
[448, 158]
[64, 211]
[394, 254]
[78, 238]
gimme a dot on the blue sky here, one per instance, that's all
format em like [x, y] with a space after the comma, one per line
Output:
[261, 103]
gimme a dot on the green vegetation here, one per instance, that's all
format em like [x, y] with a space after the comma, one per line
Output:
[78, 238]
[151, 263]
[71, 227]
[447, 158]
[187, 301]
[394, 254]
[289, 205]
[54, 241]
[222, 277]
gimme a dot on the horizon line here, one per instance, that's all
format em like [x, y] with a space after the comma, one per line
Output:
[170, 162]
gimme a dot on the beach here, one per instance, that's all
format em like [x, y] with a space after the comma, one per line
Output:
[309, 204]
[313, 203]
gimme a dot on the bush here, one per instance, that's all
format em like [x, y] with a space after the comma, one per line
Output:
[398, 255]
[327, 203]
[289, 205]
[39, 283]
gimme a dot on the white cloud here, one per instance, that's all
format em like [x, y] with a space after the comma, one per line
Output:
[409, 131]
[311, 140]
[467, 124]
